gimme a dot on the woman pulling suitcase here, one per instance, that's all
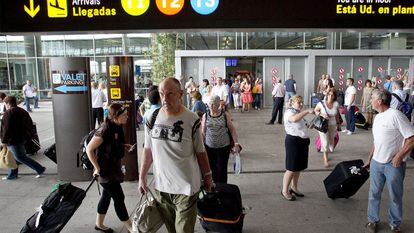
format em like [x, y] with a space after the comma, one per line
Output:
[108, 143]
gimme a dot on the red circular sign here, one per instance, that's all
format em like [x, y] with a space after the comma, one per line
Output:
[399, 70]
[341, 76]
[213, 72]
[398, 75]
[360, 69]
[341, 70]
[380, 69]
[274, 71]
[273, 84]
[360, 81]
[341, 83]
[274, 78]
[379, 81]
[213, 78]
[359, 88]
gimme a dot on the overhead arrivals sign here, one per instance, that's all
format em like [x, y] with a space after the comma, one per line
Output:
[128, 15]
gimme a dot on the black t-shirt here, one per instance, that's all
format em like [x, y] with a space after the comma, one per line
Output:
[110, 152]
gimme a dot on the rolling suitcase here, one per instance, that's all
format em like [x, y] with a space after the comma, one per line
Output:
[32, 145]
[360, 121]
[346, 179]
[56, 210]
[50, 152]
[221, 211]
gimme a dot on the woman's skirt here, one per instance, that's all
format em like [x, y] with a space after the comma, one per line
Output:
[297, 151]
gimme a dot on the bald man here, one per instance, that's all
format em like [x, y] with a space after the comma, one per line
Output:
[175, 146]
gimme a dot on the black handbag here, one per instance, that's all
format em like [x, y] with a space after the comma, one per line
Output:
[320, 123]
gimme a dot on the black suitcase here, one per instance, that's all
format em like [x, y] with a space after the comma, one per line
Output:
[221, 211]
[56, 210]
[360, 121]
[346, 179]
[316, 98]
[50, 152]
[32, 145]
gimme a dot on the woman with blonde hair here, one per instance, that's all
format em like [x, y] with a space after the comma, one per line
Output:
[297, 147]
[328, 109]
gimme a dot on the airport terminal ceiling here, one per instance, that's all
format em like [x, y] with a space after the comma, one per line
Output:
[43, 16]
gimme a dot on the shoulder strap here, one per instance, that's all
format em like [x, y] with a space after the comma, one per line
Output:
[151, 123]
[407, 97]
[323, 104]
[397, 97]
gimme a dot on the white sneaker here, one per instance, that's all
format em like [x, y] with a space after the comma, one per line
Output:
[350, 133]
[38, 176]
[345, 131]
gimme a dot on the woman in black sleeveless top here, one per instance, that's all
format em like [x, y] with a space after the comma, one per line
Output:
[105, 151]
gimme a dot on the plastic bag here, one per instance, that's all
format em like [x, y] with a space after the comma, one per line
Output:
[237, 165]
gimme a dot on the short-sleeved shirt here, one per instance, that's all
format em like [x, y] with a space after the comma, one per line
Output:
[388, 86]
[299, 128]
[199, 106]
[29, 90]
[220, 91]
[290, 85]
[331, 112]
[174, 142]
[390, 129]
[351, 90]
[394, 101]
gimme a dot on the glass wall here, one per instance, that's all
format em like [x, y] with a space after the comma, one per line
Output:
[290, 40]
[27, 57]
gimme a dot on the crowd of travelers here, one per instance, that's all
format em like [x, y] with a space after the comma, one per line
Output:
[188, 143]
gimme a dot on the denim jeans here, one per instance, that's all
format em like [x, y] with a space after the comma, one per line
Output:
[381, 174]
[257, 100]
[27, 102]
[350, 118]
[19, 153]
[289, 95]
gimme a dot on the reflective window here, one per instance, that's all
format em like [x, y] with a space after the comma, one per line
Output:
[79, 45]
[410, 40]
[51, 46]
[398, 40]
[337, 40]
[20, 71]
[20, 46]
[4, 76]
[316, 40]
[45, 81]
[138, 43]
[98, 69]
[227, 40]
[201, 41]
[3, 46]
[375, 40]
[261, 40]
[289, 40]
[350, 40]
[108, 44]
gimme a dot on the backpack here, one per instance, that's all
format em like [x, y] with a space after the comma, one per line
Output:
[82, 156]
[404, 106]
[151, 123]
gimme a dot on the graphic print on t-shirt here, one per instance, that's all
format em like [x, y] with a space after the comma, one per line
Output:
[168, 133]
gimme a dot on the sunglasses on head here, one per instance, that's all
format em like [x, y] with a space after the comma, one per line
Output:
[120, 111]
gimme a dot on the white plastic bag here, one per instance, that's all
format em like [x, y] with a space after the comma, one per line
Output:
[147, 218]
[237, 165]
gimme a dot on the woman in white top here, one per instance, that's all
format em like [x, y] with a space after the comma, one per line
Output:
[329, 110]
[296, 145]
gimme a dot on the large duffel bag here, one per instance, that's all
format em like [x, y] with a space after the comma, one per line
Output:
[360, 121]
[50, 152]
[346, 179]
[32, 145]
[221, 211]
[56, 210]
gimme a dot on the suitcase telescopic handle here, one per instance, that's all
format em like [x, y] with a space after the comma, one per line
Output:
[91, 183]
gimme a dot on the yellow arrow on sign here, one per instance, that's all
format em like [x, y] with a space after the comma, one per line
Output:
[32, 11]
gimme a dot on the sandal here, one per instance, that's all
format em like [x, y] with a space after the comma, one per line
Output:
[292, 198]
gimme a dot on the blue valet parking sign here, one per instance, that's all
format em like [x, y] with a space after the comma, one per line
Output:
[205, 7]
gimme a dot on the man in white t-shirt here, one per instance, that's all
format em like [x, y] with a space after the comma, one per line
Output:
[393, 141]
[174, 146]
[30, 92]
[221, 91]
[350, 97]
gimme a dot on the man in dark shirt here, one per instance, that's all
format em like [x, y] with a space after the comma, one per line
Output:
[290, 87]
[15, 131]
